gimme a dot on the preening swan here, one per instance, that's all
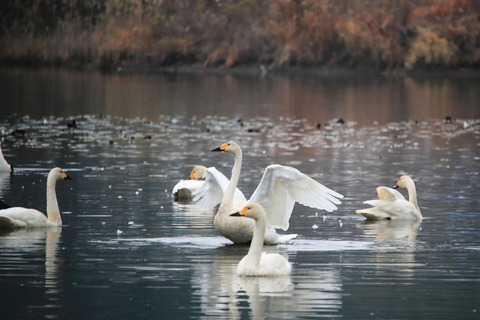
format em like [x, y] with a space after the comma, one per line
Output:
[257, 263]
[4, 166]
[184, 190]
[391, 204]
[19, 217]
[277, 192]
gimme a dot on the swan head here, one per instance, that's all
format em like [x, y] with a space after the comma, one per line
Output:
[230, 147]
[402, 182]
[252, 210]
[58, 174]
[198, 172]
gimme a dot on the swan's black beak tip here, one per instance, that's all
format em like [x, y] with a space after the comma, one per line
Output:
[236, 214]
[68, 178]
[216, 149]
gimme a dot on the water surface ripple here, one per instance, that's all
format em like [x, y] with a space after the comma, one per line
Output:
[127, 251]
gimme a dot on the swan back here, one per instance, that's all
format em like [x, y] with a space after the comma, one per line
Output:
[19, 217]
[184, 189]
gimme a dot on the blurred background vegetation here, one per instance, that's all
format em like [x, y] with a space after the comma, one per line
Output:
[106, 34]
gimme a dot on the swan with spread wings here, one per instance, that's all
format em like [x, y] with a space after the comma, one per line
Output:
[277, 192]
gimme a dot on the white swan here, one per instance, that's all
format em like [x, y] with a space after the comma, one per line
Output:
[19, 217]
[4, 166]
[257, 263]
[215, 186]
[277, 192]
[183, 191]
[391, 204]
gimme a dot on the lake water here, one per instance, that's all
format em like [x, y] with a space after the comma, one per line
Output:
[127, 251]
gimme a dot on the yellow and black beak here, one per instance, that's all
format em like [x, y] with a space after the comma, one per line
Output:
[221, 148]
[240, 213]
[192, 175]
[66, 176]
[396, 186]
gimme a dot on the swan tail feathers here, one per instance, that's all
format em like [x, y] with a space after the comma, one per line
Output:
[286, 237]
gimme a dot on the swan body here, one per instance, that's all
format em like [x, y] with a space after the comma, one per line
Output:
[183, 190]
[19, 217]
[211, 193]
[4, 166]
[277, 192]
[186, 189]
[257, 263]
[391, 204]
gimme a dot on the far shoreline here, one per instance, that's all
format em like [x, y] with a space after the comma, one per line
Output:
[252, 70]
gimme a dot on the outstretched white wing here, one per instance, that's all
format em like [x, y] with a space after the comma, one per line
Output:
[282, 186]
[211, 192]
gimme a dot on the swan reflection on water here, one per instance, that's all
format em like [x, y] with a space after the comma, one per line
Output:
[400, 236]
[28, 241]
[4, 183]
[390, 231]
[224, 294]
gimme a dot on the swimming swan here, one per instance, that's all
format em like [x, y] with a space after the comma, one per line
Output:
[18, 217]
[391, 204]
[257, 263]
[277, 192]
[4, 166]
[184, 190]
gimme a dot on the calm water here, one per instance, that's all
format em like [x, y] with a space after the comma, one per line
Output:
[126, 251]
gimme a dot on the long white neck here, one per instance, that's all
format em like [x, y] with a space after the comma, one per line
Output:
[53, 212]
[255, 252]
[232, 185]
[412, 193]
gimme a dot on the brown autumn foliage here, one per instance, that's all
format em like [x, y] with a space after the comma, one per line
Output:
[380, 34]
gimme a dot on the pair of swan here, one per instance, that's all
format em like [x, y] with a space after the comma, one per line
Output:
[4, 165]
[256, 262]
[19, 217]
[392, 205]
[277, 192]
